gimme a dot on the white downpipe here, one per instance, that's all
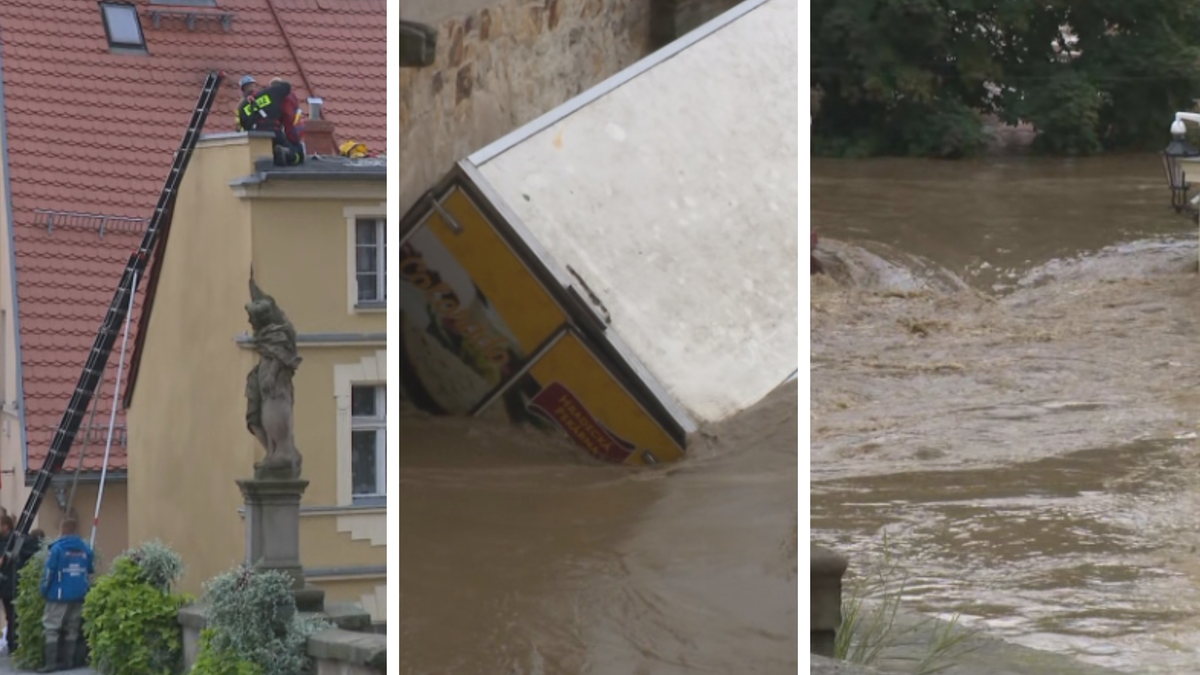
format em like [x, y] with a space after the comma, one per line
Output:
[112, 417]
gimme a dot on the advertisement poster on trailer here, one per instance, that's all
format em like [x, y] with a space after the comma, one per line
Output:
[480, 336]
[456, 346]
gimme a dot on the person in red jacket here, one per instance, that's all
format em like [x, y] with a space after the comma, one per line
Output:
[275, 109]
[291, 118]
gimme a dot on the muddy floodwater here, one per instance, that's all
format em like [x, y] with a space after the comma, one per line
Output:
[520, 556]
[1006, 383]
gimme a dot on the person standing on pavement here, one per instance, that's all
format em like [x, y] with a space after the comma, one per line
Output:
[10, 565]
[65, 583]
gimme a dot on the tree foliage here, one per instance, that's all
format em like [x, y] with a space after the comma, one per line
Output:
[913, 77]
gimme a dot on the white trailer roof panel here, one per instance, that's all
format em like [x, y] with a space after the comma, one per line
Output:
[670, 191]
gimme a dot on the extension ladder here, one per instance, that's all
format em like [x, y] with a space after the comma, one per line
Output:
[93, 370]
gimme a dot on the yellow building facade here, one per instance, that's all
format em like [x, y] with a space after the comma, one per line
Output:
[315, 237]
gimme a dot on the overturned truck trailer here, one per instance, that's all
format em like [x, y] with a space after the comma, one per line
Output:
[623, 269]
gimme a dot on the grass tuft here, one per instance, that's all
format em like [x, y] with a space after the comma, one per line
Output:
[869, 628]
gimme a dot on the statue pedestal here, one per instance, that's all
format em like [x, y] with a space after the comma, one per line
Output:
[273, 534]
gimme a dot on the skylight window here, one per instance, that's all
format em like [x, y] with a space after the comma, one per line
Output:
[123, 27]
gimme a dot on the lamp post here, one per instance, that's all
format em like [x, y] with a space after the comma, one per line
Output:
[1176, 150]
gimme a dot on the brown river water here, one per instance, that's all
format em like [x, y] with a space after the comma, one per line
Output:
[519, 556]
[1005, 366]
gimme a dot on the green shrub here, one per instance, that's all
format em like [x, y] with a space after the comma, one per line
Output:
[211, 661]
[252, 617]
[30, 605]
[131, 615]
[159, 565]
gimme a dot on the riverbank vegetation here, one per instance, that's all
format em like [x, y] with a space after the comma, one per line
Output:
[918, 77]
[872, 629]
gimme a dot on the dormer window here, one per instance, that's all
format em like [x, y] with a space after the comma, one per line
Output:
[123, 28]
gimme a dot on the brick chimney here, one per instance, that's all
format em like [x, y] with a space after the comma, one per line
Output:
[318, 132]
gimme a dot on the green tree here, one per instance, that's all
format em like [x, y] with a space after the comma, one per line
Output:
[911, 77]
[898, 77]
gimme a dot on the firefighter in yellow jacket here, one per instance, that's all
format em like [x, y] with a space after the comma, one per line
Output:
[248, 86]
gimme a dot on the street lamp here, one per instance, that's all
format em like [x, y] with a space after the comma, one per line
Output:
[1177, 149]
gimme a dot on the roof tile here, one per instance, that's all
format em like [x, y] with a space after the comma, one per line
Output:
[94, 132]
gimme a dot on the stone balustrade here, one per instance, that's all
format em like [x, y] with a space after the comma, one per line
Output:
[343, 652]
[349, 649]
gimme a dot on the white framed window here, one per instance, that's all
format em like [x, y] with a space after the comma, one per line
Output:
[370, 260]
[368, 442]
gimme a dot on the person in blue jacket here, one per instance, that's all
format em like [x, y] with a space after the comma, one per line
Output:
[65, 584]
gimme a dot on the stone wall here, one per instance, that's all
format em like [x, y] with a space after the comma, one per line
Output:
[503, 65]
[340, 652]
[350, 648]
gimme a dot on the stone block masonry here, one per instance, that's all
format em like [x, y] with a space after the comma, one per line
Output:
[340, 652]
[501, 66]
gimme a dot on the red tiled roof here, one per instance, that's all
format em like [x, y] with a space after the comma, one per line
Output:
[91, 131]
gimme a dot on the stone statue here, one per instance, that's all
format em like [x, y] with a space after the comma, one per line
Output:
[270, 397]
